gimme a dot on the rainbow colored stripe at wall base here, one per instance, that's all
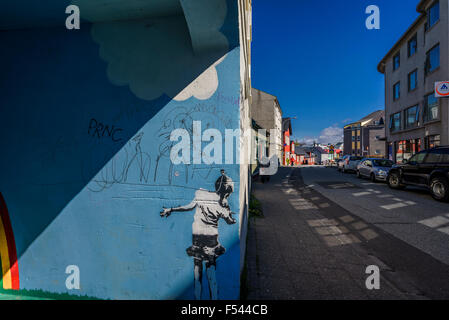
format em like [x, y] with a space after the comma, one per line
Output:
[8, 254]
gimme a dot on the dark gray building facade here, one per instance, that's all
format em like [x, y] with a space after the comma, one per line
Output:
[366, 137]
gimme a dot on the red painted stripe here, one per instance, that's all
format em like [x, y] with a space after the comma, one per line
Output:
[14, 267]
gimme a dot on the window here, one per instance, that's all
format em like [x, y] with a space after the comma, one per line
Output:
[444, 155]
[412, 80]
[405, 149]
[399, 147]
[432, 59]
[397, 91]
[412, 117]
[395, 122]
[433, 141]
[433, 156]
[412, 45]
[396, 61]
[383, 163]
[418, 158]
[431, 107]
[433, 15]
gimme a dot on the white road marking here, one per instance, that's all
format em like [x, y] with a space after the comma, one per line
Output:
[444, 230]
[341, 185]
[385, 196]
[394, 206]
[434, 222]
[360, 194]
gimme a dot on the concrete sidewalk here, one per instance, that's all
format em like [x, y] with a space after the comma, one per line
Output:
[297, 252]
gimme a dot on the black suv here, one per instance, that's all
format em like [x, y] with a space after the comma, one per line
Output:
[429, 168]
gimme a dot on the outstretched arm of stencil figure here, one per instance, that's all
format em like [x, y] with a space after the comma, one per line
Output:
[230, 219]
[167, 211]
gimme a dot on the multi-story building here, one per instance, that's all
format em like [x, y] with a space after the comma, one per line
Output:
[286, 134]
[416, 118]
[365, 137]
[259, 146]
[307, 155]
[266, 111]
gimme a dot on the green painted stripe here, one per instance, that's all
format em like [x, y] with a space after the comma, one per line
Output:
[38, 295]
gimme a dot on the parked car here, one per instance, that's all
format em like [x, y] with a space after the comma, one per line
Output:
[340, 163]
[375, 169]
[429, 168]
[336, 162]
[349, 163]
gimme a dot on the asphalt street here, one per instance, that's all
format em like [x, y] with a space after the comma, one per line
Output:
[321, 229]
[411, 215]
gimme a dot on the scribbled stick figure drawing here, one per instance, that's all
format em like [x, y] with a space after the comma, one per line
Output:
[210, 207]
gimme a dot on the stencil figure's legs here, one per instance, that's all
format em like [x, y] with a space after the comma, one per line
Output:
[198, 272]
[210, 271]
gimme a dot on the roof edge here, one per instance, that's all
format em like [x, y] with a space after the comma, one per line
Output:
[421, 6]
[381, 65]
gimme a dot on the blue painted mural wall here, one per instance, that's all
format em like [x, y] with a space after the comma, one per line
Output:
[85, 127]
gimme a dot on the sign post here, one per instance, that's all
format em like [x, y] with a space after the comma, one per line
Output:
[331, 152]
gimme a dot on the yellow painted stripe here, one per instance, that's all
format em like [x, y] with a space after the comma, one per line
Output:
[6, 272]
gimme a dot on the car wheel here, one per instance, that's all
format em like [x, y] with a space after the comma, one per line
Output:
[439, 187]
[373, 178]
[394, 181]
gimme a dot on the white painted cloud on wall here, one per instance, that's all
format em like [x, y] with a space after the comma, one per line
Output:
[202, 87]
[154, 56]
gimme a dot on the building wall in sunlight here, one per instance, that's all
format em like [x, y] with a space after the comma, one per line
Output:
[86, 119]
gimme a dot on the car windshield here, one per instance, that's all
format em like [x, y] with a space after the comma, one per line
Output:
[383, 163]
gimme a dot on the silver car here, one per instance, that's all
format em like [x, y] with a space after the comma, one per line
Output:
[349, 163]
[375, 169]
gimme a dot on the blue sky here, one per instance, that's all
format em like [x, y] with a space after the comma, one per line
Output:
[319, 59]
